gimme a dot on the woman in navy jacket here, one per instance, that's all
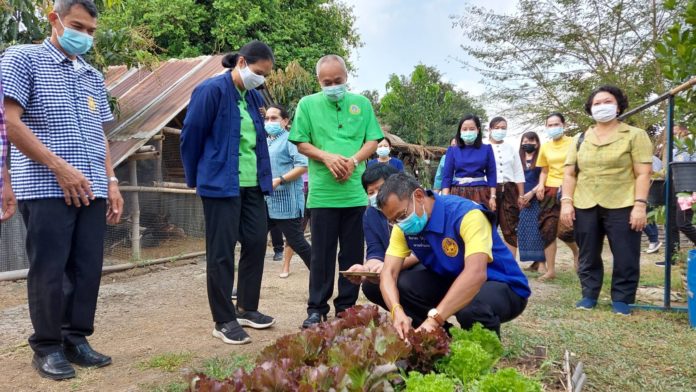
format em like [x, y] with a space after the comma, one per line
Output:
[225, 157]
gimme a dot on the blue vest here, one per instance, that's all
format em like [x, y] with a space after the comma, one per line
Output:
[440, 248]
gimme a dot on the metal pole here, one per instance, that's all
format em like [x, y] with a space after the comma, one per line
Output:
[135, 210]
[668, 204]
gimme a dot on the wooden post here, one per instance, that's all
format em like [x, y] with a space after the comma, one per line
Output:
[158, 162]
[135, 210]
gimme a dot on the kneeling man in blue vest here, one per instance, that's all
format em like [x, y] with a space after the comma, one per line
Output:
[469, 272]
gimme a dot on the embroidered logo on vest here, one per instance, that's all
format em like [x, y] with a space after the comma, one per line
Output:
[450, 247]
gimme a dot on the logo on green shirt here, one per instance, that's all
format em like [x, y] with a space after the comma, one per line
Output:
[354, 109]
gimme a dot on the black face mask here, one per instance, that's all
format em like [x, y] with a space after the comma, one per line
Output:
[530, 148]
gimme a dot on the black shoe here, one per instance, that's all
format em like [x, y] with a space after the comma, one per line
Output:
[662, 264]
[83, 355]
[278, 256]
[313, 319]
[54, 366]
[234, 294]
[254, 319]
[231, 333]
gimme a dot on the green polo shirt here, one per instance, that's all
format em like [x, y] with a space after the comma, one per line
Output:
[247, 146]
[338, 128]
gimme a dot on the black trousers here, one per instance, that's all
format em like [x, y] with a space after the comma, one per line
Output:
[330, 228]
[591, 226]
[276, 238]
[65, 246]
[292, 230]
[421, 289]
[228, 221]
[682, 223]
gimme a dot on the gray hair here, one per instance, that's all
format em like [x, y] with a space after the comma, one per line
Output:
[331, 57]
[63, 7]
[402, 185]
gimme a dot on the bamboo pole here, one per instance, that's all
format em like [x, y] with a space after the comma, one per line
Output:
[158, 163]
[172, 131]
[167, 184]
[22, 274]
[152, 189]
[135, 200]
[684, 86]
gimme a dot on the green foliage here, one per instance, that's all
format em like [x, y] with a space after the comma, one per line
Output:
[467, 361]
[169, 362]
[289, 85]
[431, 382]
[423, 109]
[550, 54]
[357, 352]
[221, 368]
[487, 339]
[506, 380]
[20, 22]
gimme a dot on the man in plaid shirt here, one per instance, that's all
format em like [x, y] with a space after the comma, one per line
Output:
[8, 204]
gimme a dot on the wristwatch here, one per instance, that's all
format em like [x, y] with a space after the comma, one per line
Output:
[113, 179]
[282, 180]
[355, 161]
[435, 315]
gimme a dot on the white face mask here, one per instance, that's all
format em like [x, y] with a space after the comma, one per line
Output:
[383, 151]
[604, 112]
[250, 79]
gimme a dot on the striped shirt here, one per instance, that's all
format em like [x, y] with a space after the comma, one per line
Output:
[65, 105]
[3, 140]
[287, 200]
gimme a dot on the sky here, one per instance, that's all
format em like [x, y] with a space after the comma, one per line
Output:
[400, 34]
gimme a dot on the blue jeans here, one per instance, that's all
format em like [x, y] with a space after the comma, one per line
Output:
[651, 231]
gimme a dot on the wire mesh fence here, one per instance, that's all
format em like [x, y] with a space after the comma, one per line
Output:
[170, 225]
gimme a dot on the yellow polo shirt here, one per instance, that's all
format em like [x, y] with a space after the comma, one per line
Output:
[475, 229]
[553, 154]
[606, 176]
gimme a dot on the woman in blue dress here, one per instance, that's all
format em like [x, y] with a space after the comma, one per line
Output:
[530, 243]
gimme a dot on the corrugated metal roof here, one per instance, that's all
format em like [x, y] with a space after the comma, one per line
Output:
[149, 100]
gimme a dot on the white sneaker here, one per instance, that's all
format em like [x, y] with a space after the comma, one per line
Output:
[653, 247]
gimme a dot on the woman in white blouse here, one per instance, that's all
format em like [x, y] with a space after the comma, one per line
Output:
[510, 176]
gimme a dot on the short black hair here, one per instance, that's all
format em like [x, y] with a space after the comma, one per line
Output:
[495, 121]
[253, 52]
[458, 135]
[556, 114]
[283, 112]
[387, 139]
[400, 184]
[376, 172]
[63, 7]
[621, 98]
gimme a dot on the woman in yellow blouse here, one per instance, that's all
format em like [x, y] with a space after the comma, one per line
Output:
[606, 196]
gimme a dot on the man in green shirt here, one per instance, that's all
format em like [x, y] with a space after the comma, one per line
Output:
[337, 130]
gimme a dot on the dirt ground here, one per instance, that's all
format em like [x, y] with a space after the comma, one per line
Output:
[151, 311]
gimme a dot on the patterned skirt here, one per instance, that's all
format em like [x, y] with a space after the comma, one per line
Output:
[550, 225]
[507, 211]
[480, 194]
[530, 243]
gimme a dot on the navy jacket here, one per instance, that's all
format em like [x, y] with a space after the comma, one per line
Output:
[377, 233]
[211, 135]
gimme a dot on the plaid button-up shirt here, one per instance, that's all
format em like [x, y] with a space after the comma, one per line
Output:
[3, 138]
[65, 106]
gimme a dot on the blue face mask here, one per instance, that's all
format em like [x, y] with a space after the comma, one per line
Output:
[414, 224]
[469, 137]
[554, 133]
[335, 93]
[74, 42]
[499, 134]
[274, 128]
[373, 201]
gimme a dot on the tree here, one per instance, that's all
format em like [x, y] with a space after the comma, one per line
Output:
[296, 30]
[25, 22]
[550, 54]
[676, 55]
[289, 85]
[423, 109]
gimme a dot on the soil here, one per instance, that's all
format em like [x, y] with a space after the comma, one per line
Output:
[146, 312]
[142, 313]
